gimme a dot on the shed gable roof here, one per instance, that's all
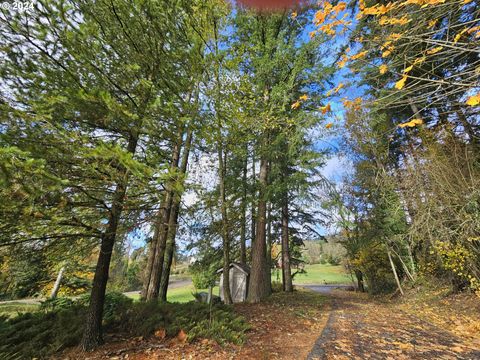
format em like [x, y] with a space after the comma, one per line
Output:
[242, 267]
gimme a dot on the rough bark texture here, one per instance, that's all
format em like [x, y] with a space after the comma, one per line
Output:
[259, 286]
[170, 248]
[92, 335]
[243, 220]
[268, 252]
[159, 249]
[156, 245]
[222, 159]
[253, 215]
[154, 272]
[286, 270]
[173, 222]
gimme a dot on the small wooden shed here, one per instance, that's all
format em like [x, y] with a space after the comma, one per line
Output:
[239, 276]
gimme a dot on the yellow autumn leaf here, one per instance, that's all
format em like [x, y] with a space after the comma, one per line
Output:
[383, 69]
[325, 109]
[401, 83]
[432, 2]
[434, 50]
[294, 15]
[467, 1]
[328, 29]
[394, 21]
[473, 100]
[408, 69]
[342, 62]
[337, 89]
[419, 60]
[328, 126]
[386, 53]
[411, 123]
[359, 55]
[432, 23]
[394, 37]
[296, 105]
[352, 104]
[341, 6]
[312, 34]
[304, 97]
[459, 35]
[387, 44]
[473, 29]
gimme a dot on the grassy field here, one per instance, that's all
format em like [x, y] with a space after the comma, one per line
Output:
[12, 309]
[181, 294]
[316, 274]
[319, 274]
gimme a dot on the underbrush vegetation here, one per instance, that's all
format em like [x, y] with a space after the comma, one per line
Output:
[60, 323]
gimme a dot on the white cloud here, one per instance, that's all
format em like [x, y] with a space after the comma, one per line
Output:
[336, 167]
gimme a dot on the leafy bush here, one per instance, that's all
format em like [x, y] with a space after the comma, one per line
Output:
[333, 260]
[373, 262]
[115, 303]
[323, 259]
[203, 277]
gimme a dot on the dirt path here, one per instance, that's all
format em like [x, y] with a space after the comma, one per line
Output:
[358, 328]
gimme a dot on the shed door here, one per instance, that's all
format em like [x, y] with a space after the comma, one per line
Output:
[240, 287]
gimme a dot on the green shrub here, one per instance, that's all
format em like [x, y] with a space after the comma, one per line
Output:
[56, 304]
[202, 279]
[373, 262]
[333, 260]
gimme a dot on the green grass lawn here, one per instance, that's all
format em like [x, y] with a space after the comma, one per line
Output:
[318, 274]
[181, 294]
[12, 309]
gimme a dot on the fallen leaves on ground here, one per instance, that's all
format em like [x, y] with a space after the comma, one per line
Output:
[284, 327]
[360, 328]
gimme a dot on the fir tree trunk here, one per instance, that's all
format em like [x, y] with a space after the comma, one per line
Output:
[268, 258]
[154, 247]
[159, 250]
[253, 216]
[173, 222]
[152, 282]
[92, 335]
[170, 248]
[259, 286]
[222, 159]
[243, 220]
[286, 269]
